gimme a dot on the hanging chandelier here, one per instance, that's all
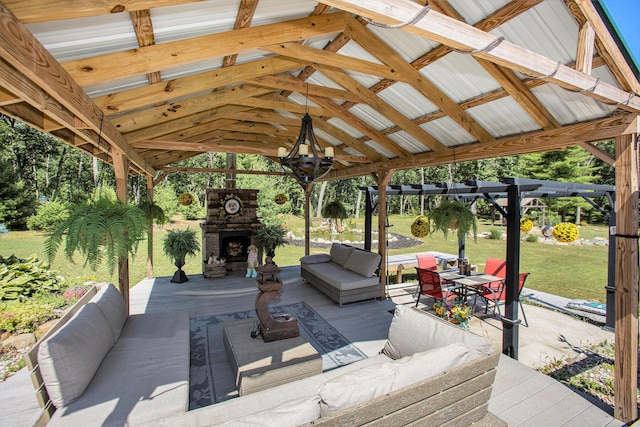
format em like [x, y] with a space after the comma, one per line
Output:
[304, 158]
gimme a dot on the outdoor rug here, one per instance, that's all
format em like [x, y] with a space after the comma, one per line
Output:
[211, 379]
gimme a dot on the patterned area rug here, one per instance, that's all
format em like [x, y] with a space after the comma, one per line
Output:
[211, 379]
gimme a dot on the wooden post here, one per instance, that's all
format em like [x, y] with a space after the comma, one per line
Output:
[382, 179]
[121, 169]
[150, 234]
[626, 330]
[307, 218]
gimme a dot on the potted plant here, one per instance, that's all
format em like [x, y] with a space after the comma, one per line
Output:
[453, 214]
[268, 238]
[335, 212]
[104, 229]
[177, 245]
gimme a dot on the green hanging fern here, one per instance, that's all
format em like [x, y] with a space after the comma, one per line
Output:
[269, 238]
[104, 230]
[453, 215]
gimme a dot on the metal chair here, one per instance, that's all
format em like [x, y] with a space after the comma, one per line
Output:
[427, 261]
[497, 297]
[430, 284]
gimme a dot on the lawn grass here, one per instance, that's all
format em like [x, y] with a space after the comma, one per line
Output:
[566, 270]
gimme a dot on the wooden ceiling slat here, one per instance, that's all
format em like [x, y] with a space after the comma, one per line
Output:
[292, 84]
[143, 27]
[144, 60]
[243, 19]
[443, 29]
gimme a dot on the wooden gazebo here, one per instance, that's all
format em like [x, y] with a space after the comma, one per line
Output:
[390, 85]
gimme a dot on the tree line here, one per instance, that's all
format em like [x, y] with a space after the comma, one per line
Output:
[35, 167]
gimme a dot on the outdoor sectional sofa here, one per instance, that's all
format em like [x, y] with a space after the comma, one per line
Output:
[430, 372]
[102, 367]
[346, 274]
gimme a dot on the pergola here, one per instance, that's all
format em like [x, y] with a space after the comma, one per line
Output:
[390, 85]
[514, 190]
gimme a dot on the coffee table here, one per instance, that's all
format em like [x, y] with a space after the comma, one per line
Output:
[260, 365]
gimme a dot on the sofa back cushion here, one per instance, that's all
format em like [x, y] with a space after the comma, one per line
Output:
[70, 357]
[363, 262]
[289, 414]
[420, 366]
[111, 303]
[355, 387]
[413, 331]
[339, 253]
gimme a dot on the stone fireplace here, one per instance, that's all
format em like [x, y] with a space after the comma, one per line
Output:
[231, 223]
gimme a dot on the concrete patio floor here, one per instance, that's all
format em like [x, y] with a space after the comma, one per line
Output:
[521, 396]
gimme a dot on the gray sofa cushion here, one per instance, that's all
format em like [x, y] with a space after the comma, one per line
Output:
[340, 278]
[413, 331]
[363, 262]
[340, 253]
[145, 376]
[289, 414]
[70, 357]
[315, 259]
[355, 387]
[111, 303]
[421, 366]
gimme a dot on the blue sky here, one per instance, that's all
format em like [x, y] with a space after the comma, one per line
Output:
[625, 15]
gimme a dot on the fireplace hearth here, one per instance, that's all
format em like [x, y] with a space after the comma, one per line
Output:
[230, 226]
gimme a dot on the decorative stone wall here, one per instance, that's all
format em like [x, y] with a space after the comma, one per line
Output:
[230, 226]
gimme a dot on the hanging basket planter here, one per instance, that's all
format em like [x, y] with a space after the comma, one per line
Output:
[566, 232]
[185, 199]
[526, 225]
[420, 227]
[453, 215]
[280, 199]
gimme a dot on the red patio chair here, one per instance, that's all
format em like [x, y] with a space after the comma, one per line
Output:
[498, 297]
[427, 261]
[429, 284]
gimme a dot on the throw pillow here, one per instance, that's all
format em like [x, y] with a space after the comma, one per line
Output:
[412, 369]
[315, 259]
[363, 262]
[413, 331]
[340, 253]
[355, 387]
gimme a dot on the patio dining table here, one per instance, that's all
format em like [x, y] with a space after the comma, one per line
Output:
[468, 285]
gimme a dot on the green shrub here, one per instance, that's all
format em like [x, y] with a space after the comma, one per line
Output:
[532, 238]
[49, 216]
[23, 317]
[495, 234]
[22, 278]
[192, 211]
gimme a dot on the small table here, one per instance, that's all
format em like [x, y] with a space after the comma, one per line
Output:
[260, 365]
[474, 282]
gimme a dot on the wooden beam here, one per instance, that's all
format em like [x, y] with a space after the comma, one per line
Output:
[144, 60]
[291, 84]
[243, 19]
[585, 51]
[165, 113]
[29, 11]
[419, 82]
[443, 29]
[144, 33]
[601, 154]
[626, 296]
[382, 179]
[121, 171]
[25, 53]
[223, 170]
[395, 116]
[309, 55]
[271, 104]
[531, 142]
[166, 91]
[584, 11]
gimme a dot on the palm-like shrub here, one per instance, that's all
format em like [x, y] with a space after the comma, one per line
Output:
[269, 238]
[104, 230]
[177, 245]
